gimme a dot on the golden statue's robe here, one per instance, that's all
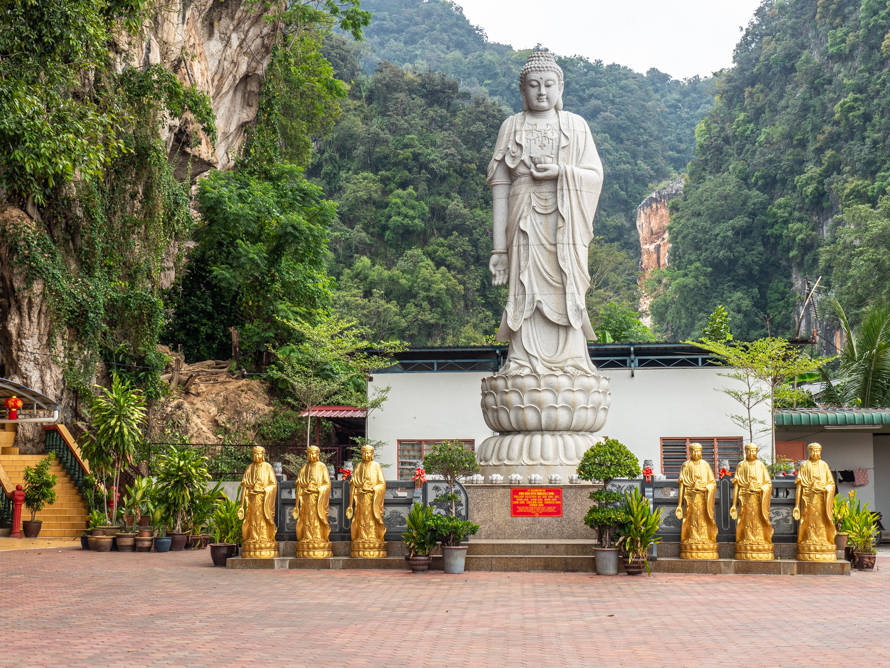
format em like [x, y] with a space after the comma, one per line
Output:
[753, 530]
[258, 487]
[368, 486]
[815, 535]
[698, 534]
[314, 494]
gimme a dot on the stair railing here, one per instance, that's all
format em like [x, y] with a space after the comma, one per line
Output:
[6, 505]
[58, 439]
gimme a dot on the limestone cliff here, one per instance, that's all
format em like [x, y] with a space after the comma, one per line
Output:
[652, 226]
[222, 48]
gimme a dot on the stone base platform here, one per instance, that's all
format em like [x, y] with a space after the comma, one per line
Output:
[736, 567]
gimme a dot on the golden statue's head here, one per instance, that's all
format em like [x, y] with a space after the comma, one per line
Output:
[751, 451]
[259, 454]
[541, 83]
[815, 451]
[367, 453]
[312, 453]
[695, 451]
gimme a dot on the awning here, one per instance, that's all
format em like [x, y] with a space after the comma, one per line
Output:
[36, 405]
[336, 412]
[835, 417]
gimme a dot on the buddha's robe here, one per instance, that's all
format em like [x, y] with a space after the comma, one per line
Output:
[549, 229]
[368, 488]
[755, 488]
[258, 495]
[699, 494]
[816, 504]
[313, 489]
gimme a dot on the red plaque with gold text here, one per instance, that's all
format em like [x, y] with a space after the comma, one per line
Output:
[535, 502]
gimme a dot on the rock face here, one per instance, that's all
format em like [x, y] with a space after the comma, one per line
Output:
[652, 225]
[222, 48]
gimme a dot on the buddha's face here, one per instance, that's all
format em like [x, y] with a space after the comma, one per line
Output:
[367, 454]
[541, 91]
[695, 453]
[258, 456]
[815, 453]
[750, 453]
[312, 455]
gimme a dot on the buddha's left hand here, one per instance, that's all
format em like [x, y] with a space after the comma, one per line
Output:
[545, 172]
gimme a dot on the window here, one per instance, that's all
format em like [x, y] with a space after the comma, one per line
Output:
[675, 451]
[412, 451]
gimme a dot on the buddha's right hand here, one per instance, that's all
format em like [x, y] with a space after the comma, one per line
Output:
[679, 512]
[349, 513]
[733, 513]
[498, 265]
[796, 514]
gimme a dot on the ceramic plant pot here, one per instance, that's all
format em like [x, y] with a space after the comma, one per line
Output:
[126, 542]
[31, 529]
[865, 561]
[419, 563]
[840, 540]
[634, 566]
[606, 560]
[103, 543]
[454, 558]
[144, 533]
[221, 552]
[143, 543]
[178, 541]
[162, 544]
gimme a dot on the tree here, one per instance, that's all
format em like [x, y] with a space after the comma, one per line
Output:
[118, 416]
[451, 460]
[620, 323]
[604, 462]
[328, 358]
[863, 377]
[766, 366]
[717, 328]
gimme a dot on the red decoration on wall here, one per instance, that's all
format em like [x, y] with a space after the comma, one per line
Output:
[13, 405]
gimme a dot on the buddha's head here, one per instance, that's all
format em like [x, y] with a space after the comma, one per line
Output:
[541, 83]
[367, 453]
[815, 452]
[312, 453]
[695, 452]
[751, 452]
[259, 454]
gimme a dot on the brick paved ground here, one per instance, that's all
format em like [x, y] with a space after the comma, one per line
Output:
[73, 608]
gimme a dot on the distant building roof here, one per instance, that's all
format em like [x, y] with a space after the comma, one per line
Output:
[335, 412]
[34, 402]
[823, 417]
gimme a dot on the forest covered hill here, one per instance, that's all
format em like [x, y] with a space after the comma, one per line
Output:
[790, 177]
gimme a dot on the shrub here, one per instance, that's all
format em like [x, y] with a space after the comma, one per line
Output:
[604, 462]
[451, 459]
[39, 484]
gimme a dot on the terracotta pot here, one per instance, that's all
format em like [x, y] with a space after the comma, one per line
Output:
[634, 566]
[220, 553]
[179, 540]
[840, 540]
[143, 543]
[205, 540]
[129, 520]
[144, 533]
[103, 543]
[419, 563]
[31, 529]
[110, 529]
[91, 542]
[144, 521]
[98, 532]
[865, 561]
[193, 542]
[126, 542]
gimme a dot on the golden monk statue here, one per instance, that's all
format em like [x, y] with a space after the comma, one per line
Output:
[753, 530]
[258, 488]
[698, 489]
[313, 492]
[815, 488]
[367, 487]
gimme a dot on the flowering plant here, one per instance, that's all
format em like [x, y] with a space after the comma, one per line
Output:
[419, 474]
[647, 473]
[725, 472]
[346, 473]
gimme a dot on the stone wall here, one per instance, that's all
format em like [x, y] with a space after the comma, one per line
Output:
[653, 217]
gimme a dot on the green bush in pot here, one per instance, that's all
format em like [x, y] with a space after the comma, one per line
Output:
[451, 531]
[39, 489]
[639, 532]
[604, 462]
[182, 474]
[419, 536]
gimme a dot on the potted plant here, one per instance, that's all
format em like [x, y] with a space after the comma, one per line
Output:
[419, 537]
[200, 512]
[451, 460]
[638, 533]
[39, 492]
[182, 473]
[604, 462]
[227, 527]
[162, 540]
[840, 510]
[862, 528]
[451, 531]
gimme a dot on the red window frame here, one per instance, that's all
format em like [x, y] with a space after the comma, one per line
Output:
[714, 448]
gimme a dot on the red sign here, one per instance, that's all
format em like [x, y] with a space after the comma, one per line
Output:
[535, 502]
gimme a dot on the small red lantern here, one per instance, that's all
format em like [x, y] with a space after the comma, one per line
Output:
[13, 405]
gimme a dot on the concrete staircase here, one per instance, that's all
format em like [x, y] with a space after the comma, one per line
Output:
[67, 517]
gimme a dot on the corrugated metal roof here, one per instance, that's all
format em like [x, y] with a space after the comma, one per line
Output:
[817, 417]
[336, 412]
